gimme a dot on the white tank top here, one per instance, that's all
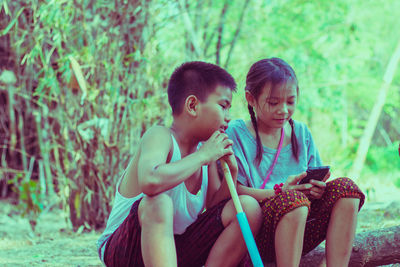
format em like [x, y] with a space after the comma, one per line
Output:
[187, 206]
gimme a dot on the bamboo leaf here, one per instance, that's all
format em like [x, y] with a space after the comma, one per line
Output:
[77, 204]
[8, 28]
[79, 77]
[5, 6]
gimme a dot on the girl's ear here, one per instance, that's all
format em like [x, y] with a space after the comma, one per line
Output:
[250, 99]
[191, 105]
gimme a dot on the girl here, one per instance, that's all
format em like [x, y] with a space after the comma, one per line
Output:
[273, 151]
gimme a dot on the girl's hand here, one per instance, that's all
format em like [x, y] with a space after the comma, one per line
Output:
[292, 180]
[327, 176]
[318, 187]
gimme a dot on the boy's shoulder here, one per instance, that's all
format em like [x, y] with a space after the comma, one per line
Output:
[156, 132]
[157, 128]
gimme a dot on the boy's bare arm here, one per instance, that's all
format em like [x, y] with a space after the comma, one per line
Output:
[155, 175]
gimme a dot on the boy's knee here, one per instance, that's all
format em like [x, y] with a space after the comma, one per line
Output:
[249, 202]
[156, 209]
[250, 206]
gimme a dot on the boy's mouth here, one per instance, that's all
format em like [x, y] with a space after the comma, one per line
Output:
[223, 129]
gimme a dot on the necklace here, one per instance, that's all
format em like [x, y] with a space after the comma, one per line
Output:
[275, 159]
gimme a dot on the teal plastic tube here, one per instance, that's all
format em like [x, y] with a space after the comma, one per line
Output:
[249, 240]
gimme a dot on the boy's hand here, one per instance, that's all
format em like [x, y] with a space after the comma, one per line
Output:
[232, 164]
[217, 146]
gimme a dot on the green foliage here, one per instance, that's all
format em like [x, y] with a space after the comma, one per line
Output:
[30, 202]
[92, 100]
[397, 182]
[29, 195]
[383, 158]
[91, 78]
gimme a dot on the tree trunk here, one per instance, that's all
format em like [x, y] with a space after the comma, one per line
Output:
[194, 40]
[369, 130]
[220, 31]
[235, 36]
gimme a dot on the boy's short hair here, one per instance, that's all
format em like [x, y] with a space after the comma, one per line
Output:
[196, 78]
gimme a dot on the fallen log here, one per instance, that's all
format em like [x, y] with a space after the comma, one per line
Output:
[372, 248]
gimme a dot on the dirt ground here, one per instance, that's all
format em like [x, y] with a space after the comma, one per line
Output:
[52, 244]
[55, 244]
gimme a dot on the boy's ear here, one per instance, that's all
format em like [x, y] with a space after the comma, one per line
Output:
[191, 105]
[250, 99]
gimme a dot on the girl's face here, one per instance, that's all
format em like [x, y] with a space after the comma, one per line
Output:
[274, 109]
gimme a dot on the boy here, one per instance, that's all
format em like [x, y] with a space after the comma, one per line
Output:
[157, 217]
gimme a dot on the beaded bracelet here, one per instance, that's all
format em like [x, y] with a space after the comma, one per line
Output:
[278, 188]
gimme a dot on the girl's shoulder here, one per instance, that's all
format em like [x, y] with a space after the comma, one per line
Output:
[300, 127]
[236, 126]
[238, 123]
[237, 129]
[302, 132]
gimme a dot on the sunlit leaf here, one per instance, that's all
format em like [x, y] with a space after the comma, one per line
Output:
[79, 77]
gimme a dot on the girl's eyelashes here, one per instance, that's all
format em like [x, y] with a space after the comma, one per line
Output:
[273, 103]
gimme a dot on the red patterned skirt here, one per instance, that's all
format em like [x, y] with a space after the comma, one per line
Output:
[318, 218]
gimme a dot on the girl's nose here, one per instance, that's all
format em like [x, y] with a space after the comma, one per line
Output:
[283, 108]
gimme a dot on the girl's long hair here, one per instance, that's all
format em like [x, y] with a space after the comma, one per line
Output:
[274, 72]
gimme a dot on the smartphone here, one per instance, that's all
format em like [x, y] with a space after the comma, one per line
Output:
[315, 173]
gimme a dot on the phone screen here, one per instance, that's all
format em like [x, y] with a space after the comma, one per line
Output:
[315, 173]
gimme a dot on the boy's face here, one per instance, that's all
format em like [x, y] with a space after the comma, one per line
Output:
[214, 111]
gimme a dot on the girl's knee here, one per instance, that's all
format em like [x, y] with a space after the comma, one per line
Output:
[342, 183]
[156, 209]
[293, 195]
[348, 205]
[344, 187]
[297, 215]
[291, 198]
